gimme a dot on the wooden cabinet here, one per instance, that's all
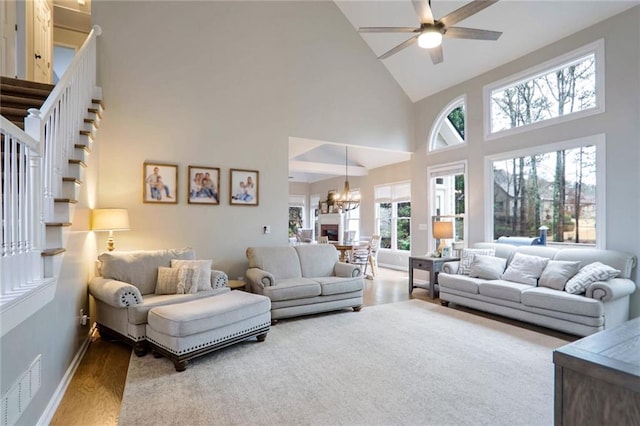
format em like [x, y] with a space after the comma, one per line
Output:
[597, 378]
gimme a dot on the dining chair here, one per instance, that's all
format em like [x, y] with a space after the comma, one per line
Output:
[323, 240]
[360, 255]
[373, 255]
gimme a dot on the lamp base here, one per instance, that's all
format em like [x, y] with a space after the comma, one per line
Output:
[110, 244]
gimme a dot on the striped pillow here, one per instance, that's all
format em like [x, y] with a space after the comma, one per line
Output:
[589, 274]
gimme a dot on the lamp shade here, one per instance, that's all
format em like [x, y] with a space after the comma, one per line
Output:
[442, 230]
[110, 220]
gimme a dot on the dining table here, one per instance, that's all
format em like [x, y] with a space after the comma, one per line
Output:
[345, 248]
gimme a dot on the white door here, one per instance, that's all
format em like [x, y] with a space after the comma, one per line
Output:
[42, 41]
[8, 21]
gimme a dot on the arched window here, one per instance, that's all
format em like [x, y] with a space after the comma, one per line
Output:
[450, 127]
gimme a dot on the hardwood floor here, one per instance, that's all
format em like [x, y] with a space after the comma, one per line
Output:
[95, 392]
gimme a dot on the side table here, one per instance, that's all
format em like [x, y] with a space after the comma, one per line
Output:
[431, 264]
[237, 285]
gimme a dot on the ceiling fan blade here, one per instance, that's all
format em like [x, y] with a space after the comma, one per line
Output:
[465, 11]
[399, 47]
[472, 33]
[388, 30]
[423, 9]
[436, 54]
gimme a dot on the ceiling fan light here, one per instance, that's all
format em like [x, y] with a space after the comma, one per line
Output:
[430, 38]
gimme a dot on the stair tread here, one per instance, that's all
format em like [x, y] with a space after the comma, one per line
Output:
[16, 82]
[53, 251]
[74, 161]
[81, 146]
[71, 179]
[65, 200]
[58, 224]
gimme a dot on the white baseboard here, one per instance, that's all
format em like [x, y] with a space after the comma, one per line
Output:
[54, 402]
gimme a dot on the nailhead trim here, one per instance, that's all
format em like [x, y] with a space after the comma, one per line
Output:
[123, 298]
[210, 343]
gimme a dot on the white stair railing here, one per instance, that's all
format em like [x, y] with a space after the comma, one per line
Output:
[34, 162]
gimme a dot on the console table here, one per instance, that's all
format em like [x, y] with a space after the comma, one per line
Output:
[597, 378]
[431, 264]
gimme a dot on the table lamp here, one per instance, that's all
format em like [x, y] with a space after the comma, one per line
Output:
[110, 220]
[442, 231]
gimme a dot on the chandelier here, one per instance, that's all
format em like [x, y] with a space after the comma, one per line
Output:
[345, 201]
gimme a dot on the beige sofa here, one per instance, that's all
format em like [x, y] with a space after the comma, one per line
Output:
[123, 293]
[602, 305]
[304, 279]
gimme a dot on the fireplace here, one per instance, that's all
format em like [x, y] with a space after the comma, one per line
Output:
[330, 225]
[331, 231]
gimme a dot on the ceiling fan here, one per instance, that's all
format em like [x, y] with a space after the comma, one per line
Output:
[430, 32]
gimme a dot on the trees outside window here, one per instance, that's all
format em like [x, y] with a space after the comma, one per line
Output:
[556, 189]
[450, 126]
[567, 87]
[393, 216]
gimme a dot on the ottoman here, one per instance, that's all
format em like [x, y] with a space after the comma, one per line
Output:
[187, 330]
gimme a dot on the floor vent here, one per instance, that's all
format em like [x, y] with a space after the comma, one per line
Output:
[15, 401]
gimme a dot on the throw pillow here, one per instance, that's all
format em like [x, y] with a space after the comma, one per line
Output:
[170, 280]
[487, 267]
[525, 269]
[557, 273]
[466, 258]
[204, 280]
[589, 274]
[191, 277]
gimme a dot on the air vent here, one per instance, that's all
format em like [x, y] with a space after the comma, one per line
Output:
[20, 394]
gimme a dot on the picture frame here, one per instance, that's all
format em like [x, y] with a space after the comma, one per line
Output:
[204, 185]
[244, 187]
[324, 207]
[159, 183]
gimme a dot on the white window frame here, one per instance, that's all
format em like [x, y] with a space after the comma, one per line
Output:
[599, 141]
[349, 221]
[596, 47]
[435, 129]
[454, 168]
[394, 214]
[299, 201]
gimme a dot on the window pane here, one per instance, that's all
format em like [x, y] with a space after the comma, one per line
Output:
[564, 90]
[384, 215]
[404, 234]
[555, 189]
[295, 220]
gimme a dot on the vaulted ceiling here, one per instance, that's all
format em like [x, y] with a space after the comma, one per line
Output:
[525, 25]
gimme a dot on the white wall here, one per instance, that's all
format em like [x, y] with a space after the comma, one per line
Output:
[619, 123]
[225, 84]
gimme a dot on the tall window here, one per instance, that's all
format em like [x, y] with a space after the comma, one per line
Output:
[567, 87]
[296, 213]
[314, 211]
[353, 217]
[450, 127]
[447, 192]
[556, 188]
[393, 215]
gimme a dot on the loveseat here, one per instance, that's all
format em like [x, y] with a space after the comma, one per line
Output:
[575, 290]
[303, 279]
[128, 286]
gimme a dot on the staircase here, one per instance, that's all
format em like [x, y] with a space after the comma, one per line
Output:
[46, 136]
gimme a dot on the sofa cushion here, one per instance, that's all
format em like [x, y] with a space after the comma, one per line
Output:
[589, 274]
[466, 258]
[337, 285]
[487, 267]
[459, 282]
[557, 273]
[624, 262]
[281, 262]
[525, 269]
[561, 301]
[140, 267]
[505, 290]
[293, 288]
[317, 260]
[204, 278]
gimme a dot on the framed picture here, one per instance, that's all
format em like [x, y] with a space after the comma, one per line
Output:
[324, 207]
[244, 187]
[160, 183]
[204, 185]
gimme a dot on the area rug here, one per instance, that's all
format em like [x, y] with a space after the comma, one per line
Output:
[405, 363]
